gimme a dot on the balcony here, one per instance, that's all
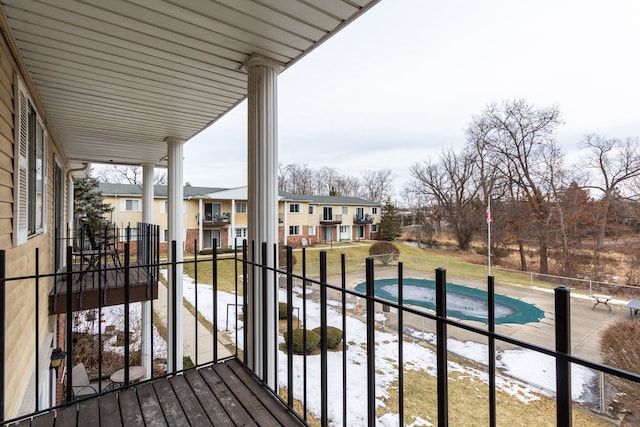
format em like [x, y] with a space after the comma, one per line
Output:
[216, 220]
[321, 384]
[330, 219]
[366, 219]
[100, 271]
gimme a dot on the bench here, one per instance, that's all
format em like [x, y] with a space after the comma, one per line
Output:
[601, 299]
[634, 307]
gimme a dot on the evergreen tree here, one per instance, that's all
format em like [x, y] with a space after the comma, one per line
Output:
[389, 228]
[88, 202]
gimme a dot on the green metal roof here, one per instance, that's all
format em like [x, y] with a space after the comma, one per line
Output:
[158, 190]
[191, 191]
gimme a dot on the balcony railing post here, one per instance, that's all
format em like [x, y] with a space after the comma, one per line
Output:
[441, 350]
[400, 347]
[371, 344]
[214, 282]
[37, 335]
[3, 276]
[324, 395]
[174, 308]
[343, 275]
[127, 254]
[304, 330]
[195, 292]
[492, 350]
[69, 323]
[265, 313]
[245, 296]
[563, 348]
[290, 326]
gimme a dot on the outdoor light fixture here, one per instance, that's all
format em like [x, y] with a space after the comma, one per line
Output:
[57, 356]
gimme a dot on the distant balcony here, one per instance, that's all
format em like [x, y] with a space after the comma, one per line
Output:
[216, 220]
[331, 219]
[367, 219]
[101, 269]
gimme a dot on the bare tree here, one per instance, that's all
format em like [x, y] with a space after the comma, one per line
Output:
[616, 161]
[376, 184]
[452, 183]
[520, 137]
[127, 175]
[301, 179]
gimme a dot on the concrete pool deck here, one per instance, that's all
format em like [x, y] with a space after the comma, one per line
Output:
[587, 323]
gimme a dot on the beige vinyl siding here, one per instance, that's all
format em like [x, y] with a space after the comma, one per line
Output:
[6, 148]
[20, 295]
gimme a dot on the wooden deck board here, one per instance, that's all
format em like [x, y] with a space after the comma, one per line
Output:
[209, 402]
[190, 405]
[236, 411]
[150, 406]
[224, 394]
[109, 411]
[278, 410]
[246, 397]
[88, 413]
[130, 408]
[44, 420]
[169, 403]
[67, 417]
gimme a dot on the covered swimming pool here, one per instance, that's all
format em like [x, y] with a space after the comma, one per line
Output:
[462, 302]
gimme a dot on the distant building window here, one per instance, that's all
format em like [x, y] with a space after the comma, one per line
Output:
[374, 211]
[374, 227]
[311, 210]
[241, 207]
[312, 230]
[131, 205]
[294, 208]
[345, 210]
[241, 233]
[164, 206]
[294, 230]
[164, 236]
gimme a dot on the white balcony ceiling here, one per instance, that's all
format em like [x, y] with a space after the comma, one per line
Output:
[116, 77]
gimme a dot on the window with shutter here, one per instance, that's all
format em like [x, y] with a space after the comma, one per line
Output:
[30, 167]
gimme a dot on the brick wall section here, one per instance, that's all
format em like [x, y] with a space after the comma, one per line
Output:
[60, 342]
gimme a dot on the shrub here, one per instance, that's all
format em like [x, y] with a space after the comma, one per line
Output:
[313, 339]
[620, 346]
[386, 252]
[282, 257]
[282, 310]
[334, 336]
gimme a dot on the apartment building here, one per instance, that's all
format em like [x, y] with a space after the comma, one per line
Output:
[220, 215]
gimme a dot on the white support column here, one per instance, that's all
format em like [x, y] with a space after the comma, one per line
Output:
[174, 221]
[263, 213]
[146, 315]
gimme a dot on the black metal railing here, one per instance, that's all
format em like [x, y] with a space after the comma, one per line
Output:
[322, 293]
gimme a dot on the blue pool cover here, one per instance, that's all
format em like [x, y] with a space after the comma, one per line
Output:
[462, 302]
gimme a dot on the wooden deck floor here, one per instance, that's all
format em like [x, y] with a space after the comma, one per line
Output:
[225, 394]
[90, 287]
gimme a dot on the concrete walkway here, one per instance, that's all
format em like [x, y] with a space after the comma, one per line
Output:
[205, 338]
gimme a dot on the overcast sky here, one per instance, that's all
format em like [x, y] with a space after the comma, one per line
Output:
[403, 82]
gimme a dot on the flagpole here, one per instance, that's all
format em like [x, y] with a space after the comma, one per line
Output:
[489, 235]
